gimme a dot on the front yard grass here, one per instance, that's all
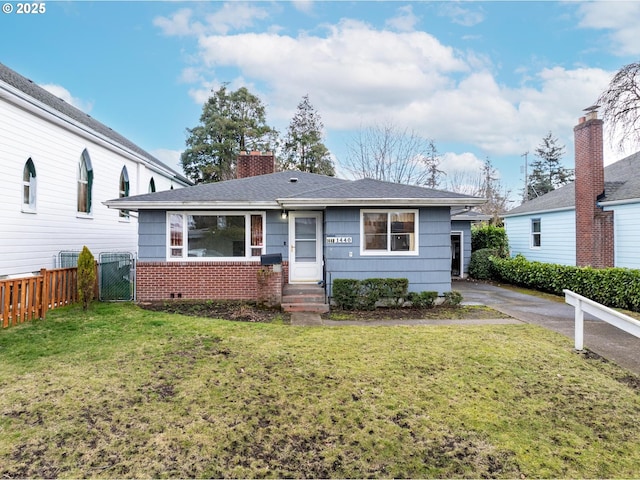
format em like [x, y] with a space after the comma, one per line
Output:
[124, 392]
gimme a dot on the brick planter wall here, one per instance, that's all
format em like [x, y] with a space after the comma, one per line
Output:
[209, 281]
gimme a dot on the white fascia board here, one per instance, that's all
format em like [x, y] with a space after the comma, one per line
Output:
[537, 212]
[155, 205]
[613, 203]
[378, 202]
[39, 109]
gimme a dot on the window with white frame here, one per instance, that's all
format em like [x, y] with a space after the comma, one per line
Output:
[85, 183]
[29, 186]
[536, 233]
[216, 235]
[389, 232]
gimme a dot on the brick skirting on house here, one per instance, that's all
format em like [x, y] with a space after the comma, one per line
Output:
[210, 281]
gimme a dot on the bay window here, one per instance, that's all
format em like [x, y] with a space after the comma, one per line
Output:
[389, 232]
[218, 235]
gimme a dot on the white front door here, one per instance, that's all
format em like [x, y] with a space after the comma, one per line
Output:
[305, 247]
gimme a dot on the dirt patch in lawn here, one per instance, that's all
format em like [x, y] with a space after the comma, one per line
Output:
[238, 311]
[250, 312]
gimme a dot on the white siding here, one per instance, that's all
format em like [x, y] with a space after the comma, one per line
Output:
[30, 241]
[558, 239]
[626, 235]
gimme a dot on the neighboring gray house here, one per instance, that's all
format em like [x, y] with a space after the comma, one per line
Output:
[207, 241]
[603, 230]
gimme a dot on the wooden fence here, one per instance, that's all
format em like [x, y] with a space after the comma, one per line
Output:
[23, 299]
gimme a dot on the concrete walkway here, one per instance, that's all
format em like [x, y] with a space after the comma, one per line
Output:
[599, 337]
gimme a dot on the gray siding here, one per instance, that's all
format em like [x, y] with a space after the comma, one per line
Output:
[431, 270]
[465, 228]
[277, 234]
[152, 235]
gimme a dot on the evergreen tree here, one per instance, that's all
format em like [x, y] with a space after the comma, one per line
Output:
[432, 162]
[231, 122]
[547, 172]
[303, 147]
[86, 277]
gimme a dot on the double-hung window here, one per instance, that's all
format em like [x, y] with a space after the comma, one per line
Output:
[216, 235]
[536, 233]
[389, 232]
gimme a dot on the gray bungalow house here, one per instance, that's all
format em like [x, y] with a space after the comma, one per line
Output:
[213, 240]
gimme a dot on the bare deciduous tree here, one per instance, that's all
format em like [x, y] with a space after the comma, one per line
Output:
[485, 184]
[620, 104]
[384, 152]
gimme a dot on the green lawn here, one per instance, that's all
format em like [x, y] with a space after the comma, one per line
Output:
[125, 392]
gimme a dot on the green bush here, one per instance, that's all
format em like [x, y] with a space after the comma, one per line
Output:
[86, 277]
[480, 264]
[423, 299]
[613, 287]
[350, 294]
[488, 236]
[452, 299]
[346, 293]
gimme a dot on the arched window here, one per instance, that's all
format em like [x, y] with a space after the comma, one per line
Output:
[29, 186]
[152, 185]
[85, 183]
[124, 189]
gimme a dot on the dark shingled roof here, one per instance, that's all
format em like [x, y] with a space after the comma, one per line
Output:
[43, 96]
[621, 182]
[284, 188]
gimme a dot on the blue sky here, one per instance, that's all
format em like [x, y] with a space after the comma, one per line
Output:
[482, 79]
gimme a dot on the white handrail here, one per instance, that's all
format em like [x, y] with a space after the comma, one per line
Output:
[609, 315]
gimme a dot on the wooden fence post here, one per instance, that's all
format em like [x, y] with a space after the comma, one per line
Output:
[44, 297]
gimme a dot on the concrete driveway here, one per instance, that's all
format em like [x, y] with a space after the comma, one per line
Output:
[599, 337]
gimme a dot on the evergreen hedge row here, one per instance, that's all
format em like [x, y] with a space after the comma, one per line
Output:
[350, 294]
[613, 287]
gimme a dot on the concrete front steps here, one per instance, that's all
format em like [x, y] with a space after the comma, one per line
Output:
[304, 298]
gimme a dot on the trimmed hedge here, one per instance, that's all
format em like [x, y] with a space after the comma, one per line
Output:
[480, 263]
[488, 236]
[350, 294]
[613, 287]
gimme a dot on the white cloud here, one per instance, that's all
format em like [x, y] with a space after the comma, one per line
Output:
[305, 6]
[171, 158]
[357, 75]
[65, 95]
[465, 16]
[404, 21]
[230, 17]
[620, 18]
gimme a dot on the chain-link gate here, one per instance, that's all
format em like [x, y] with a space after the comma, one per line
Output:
[68, 259]
[117, 276]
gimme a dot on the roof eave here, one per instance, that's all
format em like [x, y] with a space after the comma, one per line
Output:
[538, 212]
[190, 205]
[613, 203]
[378, 202]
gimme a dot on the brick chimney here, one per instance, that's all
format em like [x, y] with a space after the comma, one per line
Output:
[594, 227]
[255, 163]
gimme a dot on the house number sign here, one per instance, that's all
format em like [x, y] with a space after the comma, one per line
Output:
[339, 239]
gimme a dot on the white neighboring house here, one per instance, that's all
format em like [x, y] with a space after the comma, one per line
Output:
[594, 221]
[57, 167]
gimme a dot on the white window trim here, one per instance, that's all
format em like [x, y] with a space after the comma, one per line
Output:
[388, 252]
[532, 233]
[185, 236]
